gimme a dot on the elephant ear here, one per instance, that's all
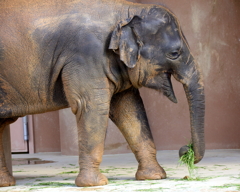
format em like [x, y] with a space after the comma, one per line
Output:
[125, 42]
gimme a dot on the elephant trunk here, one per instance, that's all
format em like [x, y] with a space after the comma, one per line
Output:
[196, 102]
[194, 90]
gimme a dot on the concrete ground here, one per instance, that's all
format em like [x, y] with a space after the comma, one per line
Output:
[218, 171]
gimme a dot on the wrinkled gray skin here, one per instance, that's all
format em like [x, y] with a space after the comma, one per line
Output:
[93, 56]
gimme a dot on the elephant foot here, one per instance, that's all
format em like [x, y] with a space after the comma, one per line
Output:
[6, 179]
[90, 178]
[150, 172]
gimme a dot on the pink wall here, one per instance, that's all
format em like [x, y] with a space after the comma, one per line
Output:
[46, 132]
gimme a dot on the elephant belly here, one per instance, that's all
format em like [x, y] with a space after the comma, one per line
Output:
[21, 100]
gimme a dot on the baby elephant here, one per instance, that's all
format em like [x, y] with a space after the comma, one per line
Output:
[93, 56]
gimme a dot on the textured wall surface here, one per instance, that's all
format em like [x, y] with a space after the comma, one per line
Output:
[46, 132]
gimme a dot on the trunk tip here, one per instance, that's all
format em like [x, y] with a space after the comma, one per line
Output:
[198, 159]
[183, 150]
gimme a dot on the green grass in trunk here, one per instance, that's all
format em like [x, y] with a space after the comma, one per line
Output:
[188, 160]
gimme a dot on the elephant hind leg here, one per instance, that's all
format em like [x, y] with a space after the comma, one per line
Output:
[6, 179]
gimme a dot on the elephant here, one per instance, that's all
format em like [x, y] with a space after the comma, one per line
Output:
[93, 56]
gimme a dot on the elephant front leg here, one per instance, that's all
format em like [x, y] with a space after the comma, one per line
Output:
[91, 133]
[128, 113]
[92, 120]
[92, 111]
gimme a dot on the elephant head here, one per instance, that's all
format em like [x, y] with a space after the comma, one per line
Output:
[153, 48]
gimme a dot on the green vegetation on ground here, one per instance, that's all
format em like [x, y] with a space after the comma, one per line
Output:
[68, 172]
[228, 186]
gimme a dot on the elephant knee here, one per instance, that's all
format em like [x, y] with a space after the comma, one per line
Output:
[77, 106]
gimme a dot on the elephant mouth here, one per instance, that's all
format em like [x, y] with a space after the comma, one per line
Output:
[167, 87]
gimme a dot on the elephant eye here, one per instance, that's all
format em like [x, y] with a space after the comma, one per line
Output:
[174, 54]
